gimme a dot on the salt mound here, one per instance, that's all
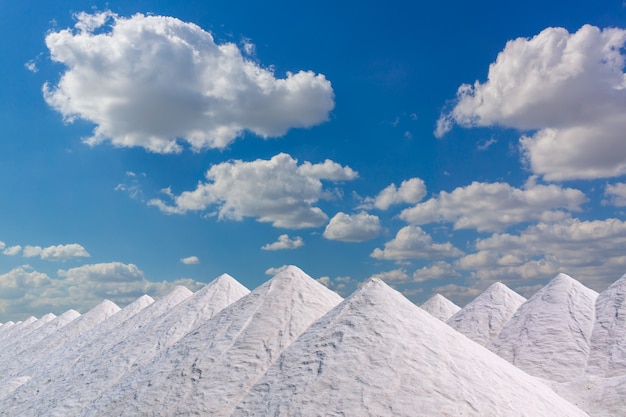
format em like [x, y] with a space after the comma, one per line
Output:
[607, 355]
[440, 307]
[548, 336]
[483, 318]
[377, 354]
[209, 370]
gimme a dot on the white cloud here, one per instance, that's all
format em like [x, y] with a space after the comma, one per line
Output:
[275, 270]
[438, 270]
[56, 252]
[494, 206]
[410, 191]
[284, 242]
[352, 227]
[2, 245]
[25, 292]
[616, 194]
[112, 271]
[12, 250]
[569, 88]
[590, 251]
[277, 191]
[396, 276]
[179, 85]
[190, 260]
[411, 242]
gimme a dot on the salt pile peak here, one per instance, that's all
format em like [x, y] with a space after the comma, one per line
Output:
[440, 307]
[151, 330]
[214, 365]
[549, 334]
[377, 354]
[483, 318]
[607, 355]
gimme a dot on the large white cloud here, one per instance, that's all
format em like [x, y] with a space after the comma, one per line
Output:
[494, 206]
[567, 88]
[352, 227]
[277, 190]
[25, 291]
[56, 252]
[590, 251]
[411, 242]
[152, 80]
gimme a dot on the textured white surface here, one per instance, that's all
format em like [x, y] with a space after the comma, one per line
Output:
[440, 307]
[607, 356]
[377, 354]
[209, 370]
[548, 336]
[483, 318]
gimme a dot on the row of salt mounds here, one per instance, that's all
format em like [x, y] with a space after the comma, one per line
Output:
[208, 371]
[128, 339]
[377, 354]
[483, 318]
[440, 307]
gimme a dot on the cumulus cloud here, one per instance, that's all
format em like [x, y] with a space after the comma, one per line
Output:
[590, 251]
[12, 250]
[411, 242]
[56, 252]
[151, 81]
[395, 276]
[495, 206]
[277, 191]
[25, 291]
[352, 227]
[566, 88]
[275, 270]
[438, 270]
[616, 194]
[410, 191]
[284, 242]
[190, 260]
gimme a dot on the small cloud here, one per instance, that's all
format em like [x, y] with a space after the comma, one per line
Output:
[275, 270]
[486, 144]
[190, 260]
[31, 66]
[284, 242]
[12, 250]
[408, 135]
[56, 252]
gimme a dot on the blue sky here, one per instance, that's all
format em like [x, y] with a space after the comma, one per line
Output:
[441, 147]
